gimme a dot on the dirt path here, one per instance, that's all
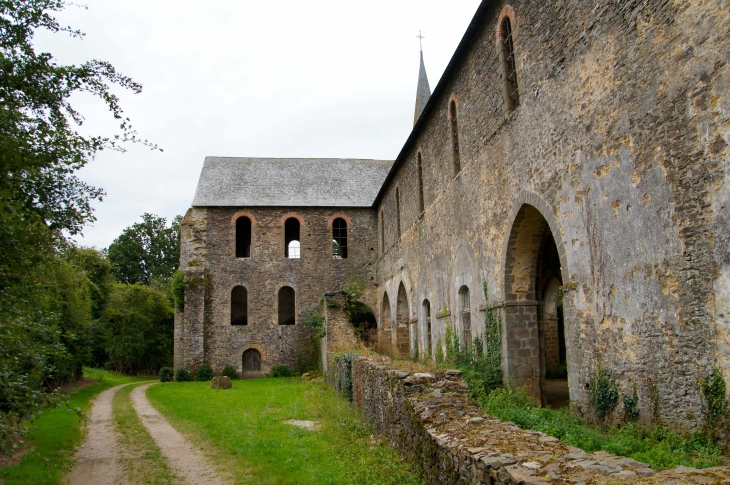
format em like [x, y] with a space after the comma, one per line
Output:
[97, 460]
[186, 460]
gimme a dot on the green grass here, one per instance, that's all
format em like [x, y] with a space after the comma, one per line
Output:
[659, 447]
[244, 431]
[55, 434]
[142, 459]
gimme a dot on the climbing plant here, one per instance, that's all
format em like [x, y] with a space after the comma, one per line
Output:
[604, 392]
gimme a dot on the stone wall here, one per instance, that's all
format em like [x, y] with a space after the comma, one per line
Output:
[430, 419]
[618, 153]
[203, 331]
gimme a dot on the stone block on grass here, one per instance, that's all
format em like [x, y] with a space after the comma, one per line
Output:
[220, 382]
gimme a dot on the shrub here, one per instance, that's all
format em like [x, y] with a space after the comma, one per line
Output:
[604, 393]
[166, 374]
[230, 372]
[177, 287]
[182, 375]
[281, 371]
[204, 373]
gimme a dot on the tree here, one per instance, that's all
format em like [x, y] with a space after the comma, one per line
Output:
[146, 251]
[44, 295]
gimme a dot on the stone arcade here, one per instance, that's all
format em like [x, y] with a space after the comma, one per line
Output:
[573, 159]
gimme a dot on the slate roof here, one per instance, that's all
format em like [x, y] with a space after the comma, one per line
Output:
[290, 182]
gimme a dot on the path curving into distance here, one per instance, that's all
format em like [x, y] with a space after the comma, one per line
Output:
[185, 460]
[97, 459]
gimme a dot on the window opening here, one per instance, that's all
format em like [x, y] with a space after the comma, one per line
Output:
[509, 66]
[419, 168]
[239, 306]
[465, 314]
[382, 231]
[243, 237]
[291, 238]
[427, 318]
[287, 305]
[397, 209]
[339, 238]
[455, 155]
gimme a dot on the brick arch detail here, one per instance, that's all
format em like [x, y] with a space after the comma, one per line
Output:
[292, 215]
[526, 197]
[335, 216]
[238, 215]
[258, 347]
[509, 12]
[455, 99]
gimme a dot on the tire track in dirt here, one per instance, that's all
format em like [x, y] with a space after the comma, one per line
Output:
[97, 459]
[186, 460]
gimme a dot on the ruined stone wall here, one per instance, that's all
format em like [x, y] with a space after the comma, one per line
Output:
[431, 420]
[620, 149]
[207, 312]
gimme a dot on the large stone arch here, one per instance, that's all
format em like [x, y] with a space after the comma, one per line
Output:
[401, 335]
[533, 254]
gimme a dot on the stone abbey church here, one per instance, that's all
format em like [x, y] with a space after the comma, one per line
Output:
[573, 159]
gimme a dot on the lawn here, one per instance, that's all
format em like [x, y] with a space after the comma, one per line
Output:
[245, 433]
[55, 434]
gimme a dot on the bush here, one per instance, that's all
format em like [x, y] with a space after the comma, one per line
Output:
[281, 371]
[204, 373]
[166, 374]
[230, 372]
[182, 375]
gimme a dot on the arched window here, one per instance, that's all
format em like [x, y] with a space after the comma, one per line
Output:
[455, 155]
[397, 209]
[339, 238]
[291, 238]
[382, 231]
[287, 306]
[427, 317]
[465, 317]
[419, 168]
[239, 306]
[243, 237]
[509, 64]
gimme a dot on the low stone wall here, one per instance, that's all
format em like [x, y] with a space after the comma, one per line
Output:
[432, 421]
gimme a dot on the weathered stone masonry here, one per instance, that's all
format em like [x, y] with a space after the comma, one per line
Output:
[618, 150]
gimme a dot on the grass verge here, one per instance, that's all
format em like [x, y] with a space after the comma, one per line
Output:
[659, 447]
[55, 434]
[142, 459]
[246, 430]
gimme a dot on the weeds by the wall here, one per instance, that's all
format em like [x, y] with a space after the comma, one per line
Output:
[717, 413]
[604, 393]
[631, 405]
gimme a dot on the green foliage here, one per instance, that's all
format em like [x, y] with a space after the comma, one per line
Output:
[604, 393]
[50, 293]
[166, 374]
[146, 250]
[659, 446]
[631, 405]
[204, 373]
[314, 318]
[714, 393]
[440, 358]
[280, 371]
[138, 322]
[177, 288]
[182, 375]
[230, 372]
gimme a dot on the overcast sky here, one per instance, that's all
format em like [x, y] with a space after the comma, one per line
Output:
[249, 78]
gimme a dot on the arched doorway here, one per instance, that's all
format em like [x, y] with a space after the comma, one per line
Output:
[251, 362]
[533, 316]
[403, 338]
[386, 326]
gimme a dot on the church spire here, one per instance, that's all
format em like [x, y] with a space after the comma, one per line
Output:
[423, 91]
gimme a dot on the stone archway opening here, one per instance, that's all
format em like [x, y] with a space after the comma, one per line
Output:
[251, 363]
[386, 326]
[402, 335]
[534, 327]
[365, 325]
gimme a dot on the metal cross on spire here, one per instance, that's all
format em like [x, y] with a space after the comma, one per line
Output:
[420, 39]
